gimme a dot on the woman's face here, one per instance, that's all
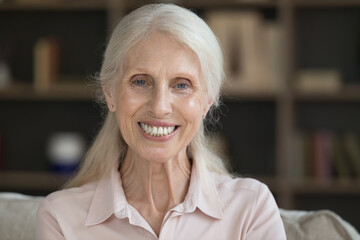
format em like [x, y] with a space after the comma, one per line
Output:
[160, 99]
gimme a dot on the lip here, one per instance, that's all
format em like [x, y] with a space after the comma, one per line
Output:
[158, 124]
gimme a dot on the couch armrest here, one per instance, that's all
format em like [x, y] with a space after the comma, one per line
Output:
[17, 216]
[322, 224]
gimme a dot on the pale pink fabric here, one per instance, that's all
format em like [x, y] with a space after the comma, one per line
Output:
[245, 210]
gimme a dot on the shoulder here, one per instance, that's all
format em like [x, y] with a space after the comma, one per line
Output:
[247, 192]
[250, 202]
[62, 210]
[75, 193]
[69, 199]
[231, 184]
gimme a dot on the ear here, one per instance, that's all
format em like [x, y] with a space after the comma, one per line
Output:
[207, 106]
[110, 100]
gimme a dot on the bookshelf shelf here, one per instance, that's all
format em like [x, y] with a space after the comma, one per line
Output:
[38, 181]
[350, 94]
[310, 186]
[249, 96]
[323, 186]
[63, 92]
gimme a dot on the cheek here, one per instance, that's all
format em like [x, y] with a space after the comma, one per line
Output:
[126, 101]
[128, 105]
[192, 109]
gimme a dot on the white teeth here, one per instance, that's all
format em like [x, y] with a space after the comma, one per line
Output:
[160, 131]
[143, 126]
[154, 131]
[157, 131]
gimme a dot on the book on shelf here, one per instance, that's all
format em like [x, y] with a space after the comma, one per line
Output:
[340, 161]
[352, 146]
[297, 166]
[251, 47]
[326, 155]
[322, 155]
[46, 63]
[305, 159]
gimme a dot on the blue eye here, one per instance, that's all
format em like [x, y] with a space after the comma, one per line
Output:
[182, 85]
[139, 82]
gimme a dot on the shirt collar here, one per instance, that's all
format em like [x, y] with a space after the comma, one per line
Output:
[109, 198]
[203, 194]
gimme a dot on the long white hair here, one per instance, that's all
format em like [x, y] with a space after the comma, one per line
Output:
[185, 27]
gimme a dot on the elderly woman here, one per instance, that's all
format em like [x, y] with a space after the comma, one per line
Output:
[149, 173]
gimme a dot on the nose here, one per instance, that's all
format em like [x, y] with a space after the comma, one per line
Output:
[160, 104]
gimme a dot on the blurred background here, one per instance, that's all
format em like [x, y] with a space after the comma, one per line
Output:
[291, 107]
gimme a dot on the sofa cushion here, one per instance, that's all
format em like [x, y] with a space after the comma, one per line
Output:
[17, 216]
[313, 225]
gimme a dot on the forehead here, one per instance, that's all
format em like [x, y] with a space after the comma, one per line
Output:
[160, 51]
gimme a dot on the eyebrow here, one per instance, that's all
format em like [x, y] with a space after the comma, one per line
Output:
[139, 70]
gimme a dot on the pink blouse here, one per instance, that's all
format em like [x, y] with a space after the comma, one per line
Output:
[245, 209]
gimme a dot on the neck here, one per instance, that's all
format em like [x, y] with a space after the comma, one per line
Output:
[154, 188]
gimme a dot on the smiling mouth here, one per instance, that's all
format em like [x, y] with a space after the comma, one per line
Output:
[157, 131]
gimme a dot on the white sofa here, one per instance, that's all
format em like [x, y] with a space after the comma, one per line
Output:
[17, 221]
